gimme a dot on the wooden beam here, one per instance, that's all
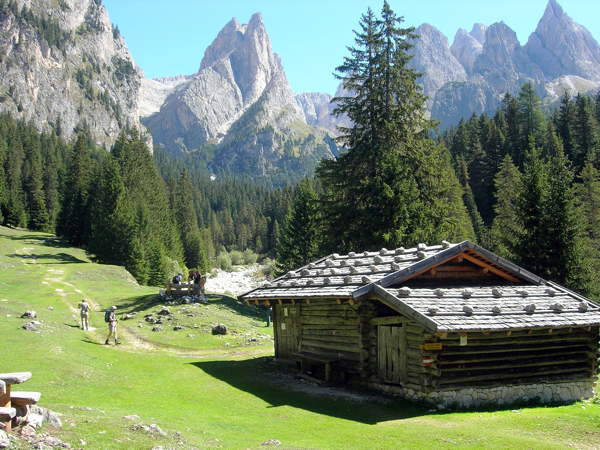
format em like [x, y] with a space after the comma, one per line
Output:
[491, 268]
[396, 304]
[388, 320]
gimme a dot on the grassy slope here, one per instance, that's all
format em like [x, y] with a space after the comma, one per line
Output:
[215, 395]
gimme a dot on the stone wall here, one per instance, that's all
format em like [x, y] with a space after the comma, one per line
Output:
[500, 395]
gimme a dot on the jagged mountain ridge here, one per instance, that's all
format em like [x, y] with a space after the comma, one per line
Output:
[559, 56]
[63, 65]
[238, 110]
[473, 74]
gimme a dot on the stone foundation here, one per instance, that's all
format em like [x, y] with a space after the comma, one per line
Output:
[498, 396]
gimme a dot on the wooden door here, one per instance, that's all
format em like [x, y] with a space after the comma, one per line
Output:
[287, 332]
[391, 353]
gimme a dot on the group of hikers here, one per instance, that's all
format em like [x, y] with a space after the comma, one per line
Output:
[110, 316]
[194, 277]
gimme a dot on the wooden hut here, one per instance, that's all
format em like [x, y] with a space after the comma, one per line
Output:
[451, 324]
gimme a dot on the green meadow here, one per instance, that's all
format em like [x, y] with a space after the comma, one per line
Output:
[210, 391]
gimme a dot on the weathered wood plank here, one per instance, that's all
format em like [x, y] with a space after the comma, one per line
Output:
[504, 376]
[24, 398]
[512, 365]
[389, 320]
[338, 346]
[15, 378]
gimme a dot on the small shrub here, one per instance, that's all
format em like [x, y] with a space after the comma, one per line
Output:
[224, 261]
[250, 257]
[269, 267]
[237, 257]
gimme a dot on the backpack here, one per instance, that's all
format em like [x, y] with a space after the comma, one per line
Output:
[107, 315]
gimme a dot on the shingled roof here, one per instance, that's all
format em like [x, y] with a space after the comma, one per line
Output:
[529, 302]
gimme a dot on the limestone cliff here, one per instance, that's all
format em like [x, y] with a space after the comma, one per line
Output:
[63, 65]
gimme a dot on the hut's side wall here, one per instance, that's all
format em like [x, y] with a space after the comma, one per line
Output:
[327, 328]
[332, 330]
[520, 357]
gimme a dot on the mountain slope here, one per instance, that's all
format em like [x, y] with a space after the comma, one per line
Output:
[239, 107]
[64, 65]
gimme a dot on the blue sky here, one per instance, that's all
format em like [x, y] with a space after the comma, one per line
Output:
[169, 37]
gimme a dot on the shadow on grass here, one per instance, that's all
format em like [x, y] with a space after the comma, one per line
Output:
[253, 375]
[49, 241]
[88, 340]
[138, 304]
[59, 258]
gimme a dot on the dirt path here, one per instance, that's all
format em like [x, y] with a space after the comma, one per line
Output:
[132, 342]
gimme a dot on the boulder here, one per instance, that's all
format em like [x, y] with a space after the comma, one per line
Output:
[274, 442]
[29, 315]
[132, 417]
[219, 329]
[33, 325]
[164, 311]
[156, 329]
[128, 316]
[51, 417]
[177, 328]
[4, 441]
[35, 420]
[27, 430]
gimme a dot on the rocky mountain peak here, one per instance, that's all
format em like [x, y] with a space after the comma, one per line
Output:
[66, 66]
[466, 48]
[478, 32]
[560, 46]
[433, 58]
[553, 9]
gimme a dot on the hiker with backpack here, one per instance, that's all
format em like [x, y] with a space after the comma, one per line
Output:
[110, 317]
[84, 312]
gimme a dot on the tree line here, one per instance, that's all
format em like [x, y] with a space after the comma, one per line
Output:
[151, 214]
[523, 183]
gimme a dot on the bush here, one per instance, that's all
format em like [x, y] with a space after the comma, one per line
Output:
[269, 267]
[237, 257]
[250, 257]
[224, 261]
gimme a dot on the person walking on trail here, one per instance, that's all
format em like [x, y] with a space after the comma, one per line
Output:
[110, 317]
[84, 312]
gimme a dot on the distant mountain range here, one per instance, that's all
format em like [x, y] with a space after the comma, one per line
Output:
[238, 111]
[63, 64]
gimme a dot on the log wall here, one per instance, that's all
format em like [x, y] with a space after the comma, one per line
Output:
[519, 357]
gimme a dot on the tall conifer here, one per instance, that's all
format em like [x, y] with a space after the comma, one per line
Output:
[385, 190]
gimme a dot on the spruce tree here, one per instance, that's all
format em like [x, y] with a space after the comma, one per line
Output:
[299, 241]
[565, 254]
[531, 116]
[585, 133]
[33, 185]
[111, 223]
[194, 251]
[587, 195]
[506, 227]
[531, 248]
[469, 200]
[387, 188]
[73, 223]
[565, 121]
[3, 187]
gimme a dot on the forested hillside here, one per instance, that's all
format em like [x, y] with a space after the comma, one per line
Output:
[125, 211]
[532, 184]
